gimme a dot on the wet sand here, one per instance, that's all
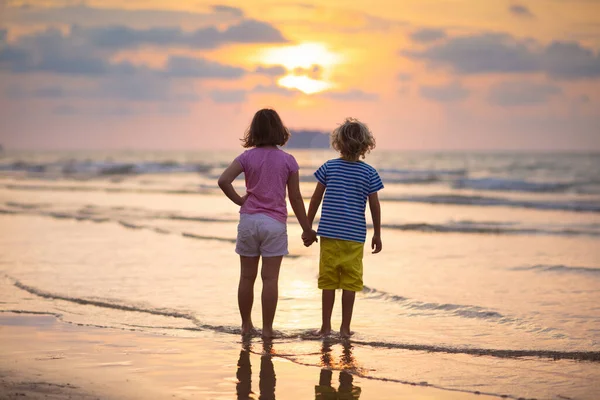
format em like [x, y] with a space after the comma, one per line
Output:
[44, 358]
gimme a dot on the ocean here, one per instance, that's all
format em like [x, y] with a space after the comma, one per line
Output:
[488, 282]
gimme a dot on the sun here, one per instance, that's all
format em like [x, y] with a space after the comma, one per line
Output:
[308, 65]
[302, 55]
[304, 84]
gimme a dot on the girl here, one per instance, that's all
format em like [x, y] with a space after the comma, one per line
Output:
[262, 229]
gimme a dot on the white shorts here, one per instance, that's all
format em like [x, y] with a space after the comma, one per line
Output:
[261, 235]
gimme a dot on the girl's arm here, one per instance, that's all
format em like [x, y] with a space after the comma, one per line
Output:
[376, 216]
[315, 201]
[225, 180]
[297, 202]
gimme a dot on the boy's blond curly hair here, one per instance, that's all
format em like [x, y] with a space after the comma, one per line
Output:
[352, 139]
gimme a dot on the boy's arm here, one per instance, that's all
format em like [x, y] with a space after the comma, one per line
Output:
[315, 201]
[226, 179]
[297, 203]
[376, 216]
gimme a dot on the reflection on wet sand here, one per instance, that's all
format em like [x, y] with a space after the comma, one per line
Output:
[346, 390]
[266, 383]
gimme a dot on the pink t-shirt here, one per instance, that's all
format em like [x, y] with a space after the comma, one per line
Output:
[266, 170]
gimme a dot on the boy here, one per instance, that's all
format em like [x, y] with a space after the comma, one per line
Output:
[347, 183]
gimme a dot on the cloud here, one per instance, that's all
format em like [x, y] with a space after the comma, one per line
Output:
[502, 53]
[483, 53]
[189, 67]
[145, 88]
[64, 54]
[448, 93]
[228, 96]
[584, 99]
[119, 111]
[426, 35]
[351, 95]
[234, 11]
[569, 60]
[275, 89]
[520, 93]
[275, 70]
[13, 57]
[123, 37]
[520, 10]
[238, 96]
[3, 35]
[65, 109]
[49, 92]
[252, 31]
[314, 72]
[87, 15]
[404, 77]
[51, 51]
[141, 88]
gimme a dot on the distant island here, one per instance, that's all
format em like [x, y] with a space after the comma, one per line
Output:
[307, 139]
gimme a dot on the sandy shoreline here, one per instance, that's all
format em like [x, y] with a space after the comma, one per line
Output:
[43, 358]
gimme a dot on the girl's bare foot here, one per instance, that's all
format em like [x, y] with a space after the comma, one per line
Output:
[248, 329]
[346, 332]
[324, 331]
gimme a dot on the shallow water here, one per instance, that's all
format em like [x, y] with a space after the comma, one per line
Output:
[489, 280]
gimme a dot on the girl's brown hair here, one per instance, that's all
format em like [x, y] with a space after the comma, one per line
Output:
[266, 129]
[352, 139]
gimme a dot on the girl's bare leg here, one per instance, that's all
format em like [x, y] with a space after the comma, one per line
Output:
[270, 292]
[248, 272]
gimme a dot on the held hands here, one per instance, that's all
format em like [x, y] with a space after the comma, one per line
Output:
[376, 244]
[309, 237]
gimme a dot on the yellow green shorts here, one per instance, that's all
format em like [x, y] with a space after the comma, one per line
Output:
[340, 265]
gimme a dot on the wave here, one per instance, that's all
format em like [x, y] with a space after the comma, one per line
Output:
[120, 216]
[493, 228]
[27, 206]
[560, 269]
[511, 185]
[194, 236]
[593, 356]
[123, 223]
[198, 219]
[79, 188]
[576, 206]
[72, 168]
[441, 172]
[459, 310]
[419, 176]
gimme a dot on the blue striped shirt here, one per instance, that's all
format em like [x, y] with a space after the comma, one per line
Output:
[348, 184]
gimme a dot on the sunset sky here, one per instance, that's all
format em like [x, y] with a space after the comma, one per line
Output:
[423, 74]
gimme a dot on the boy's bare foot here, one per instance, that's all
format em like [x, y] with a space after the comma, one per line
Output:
[267, 333]
[346, 332]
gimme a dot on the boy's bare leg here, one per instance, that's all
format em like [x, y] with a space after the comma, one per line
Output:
[248, 272]
[347, 308]
[270, 292]
[328, 300]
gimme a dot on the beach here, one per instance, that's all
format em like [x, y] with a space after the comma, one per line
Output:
[54, 360]
[118, 279]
